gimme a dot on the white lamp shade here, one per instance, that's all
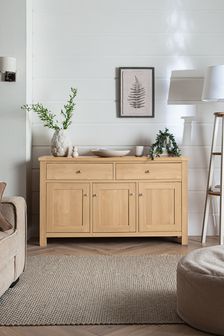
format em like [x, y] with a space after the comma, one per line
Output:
[185, 87]
[213, 89]
[7, 64]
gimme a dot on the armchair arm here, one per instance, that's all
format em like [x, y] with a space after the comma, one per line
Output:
[18, 218]
[20, 226]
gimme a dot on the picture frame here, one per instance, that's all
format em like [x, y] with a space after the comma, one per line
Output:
[136, 92]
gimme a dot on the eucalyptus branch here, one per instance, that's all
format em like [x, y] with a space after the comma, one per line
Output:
[46, 116]
[69, 107]
[49, 119]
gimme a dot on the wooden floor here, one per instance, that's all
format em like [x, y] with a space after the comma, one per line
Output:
[109, 246]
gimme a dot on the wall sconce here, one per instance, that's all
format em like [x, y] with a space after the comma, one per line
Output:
[7, 69]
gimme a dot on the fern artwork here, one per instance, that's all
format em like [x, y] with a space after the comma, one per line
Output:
[136, 97]
[165, 144]
[136, 92]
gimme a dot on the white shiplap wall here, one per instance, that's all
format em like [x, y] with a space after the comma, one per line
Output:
[80, 43]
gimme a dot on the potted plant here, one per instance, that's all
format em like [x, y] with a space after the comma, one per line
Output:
[60, 143]
[165, 145]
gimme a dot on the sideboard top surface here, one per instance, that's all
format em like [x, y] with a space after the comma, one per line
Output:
[127, 159]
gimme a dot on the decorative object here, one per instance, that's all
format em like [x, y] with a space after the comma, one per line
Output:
[7, 69]
[75, 152]
[60, 144]
[111, 197]
[213, 91]
[200, 289]
[165, 145]
[139, 150]
[109, 152]
[136, 92]
[82, 290]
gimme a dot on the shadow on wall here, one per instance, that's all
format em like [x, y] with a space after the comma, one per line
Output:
[16, 185]
[117, 91]
[21, 178]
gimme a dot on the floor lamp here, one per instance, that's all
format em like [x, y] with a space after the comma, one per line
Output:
[213, 91]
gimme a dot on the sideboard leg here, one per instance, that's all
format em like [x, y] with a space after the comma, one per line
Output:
[184, 240]
[43, 240]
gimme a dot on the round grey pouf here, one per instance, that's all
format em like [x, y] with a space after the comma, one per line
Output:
[200, 289]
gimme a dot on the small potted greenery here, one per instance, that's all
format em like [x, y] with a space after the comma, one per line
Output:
[60, 143]
[165, 145]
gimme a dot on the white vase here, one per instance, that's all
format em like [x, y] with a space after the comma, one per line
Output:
[61, 143]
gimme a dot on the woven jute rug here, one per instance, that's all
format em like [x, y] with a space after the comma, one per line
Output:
[72, 290]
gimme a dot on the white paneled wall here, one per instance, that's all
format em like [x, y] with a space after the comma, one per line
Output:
[81, 43]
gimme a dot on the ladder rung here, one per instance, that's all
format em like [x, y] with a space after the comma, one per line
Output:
[214, 193]
[216, 153]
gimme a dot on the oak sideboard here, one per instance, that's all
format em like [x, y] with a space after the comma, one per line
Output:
[113, 197]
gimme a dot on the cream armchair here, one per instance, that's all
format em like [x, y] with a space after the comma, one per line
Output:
[12, 242]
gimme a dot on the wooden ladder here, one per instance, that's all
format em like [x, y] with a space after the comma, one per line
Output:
[209, 191]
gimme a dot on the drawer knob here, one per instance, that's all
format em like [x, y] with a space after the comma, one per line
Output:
[140, 194]
[78, 171]
[85, 195]
[147, 171]
[94, 195]
[131, 194]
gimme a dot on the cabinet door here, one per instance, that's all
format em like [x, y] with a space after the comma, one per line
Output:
[114, 207]
[160, 207]
[68, 207]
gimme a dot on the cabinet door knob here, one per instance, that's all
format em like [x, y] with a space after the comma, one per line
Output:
[94, 195]
[131, 194]
[140, 194]
[78, 171]
[85, 195]
[147, 171]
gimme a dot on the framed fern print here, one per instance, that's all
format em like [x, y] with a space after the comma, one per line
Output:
[136, 92]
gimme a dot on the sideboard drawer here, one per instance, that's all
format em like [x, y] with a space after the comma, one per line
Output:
[161, 171]
[79, 171]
